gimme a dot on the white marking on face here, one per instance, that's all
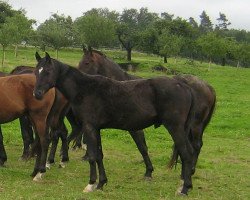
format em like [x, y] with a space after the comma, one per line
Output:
[40, 70]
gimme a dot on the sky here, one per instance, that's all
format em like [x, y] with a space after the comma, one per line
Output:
[236, 11]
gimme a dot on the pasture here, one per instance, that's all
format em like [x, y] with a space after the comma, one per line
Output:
[223, 166]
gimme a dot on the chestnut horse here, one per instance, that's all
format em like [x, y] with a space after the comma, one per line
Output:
[58, 128]
[99, 102]
[17, 100]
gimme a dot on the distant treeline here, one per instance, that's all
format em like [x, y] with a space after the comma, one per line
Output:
[132, 29]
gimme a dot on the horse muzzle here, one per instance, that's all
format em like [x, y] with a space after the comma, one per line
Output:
[38, 94]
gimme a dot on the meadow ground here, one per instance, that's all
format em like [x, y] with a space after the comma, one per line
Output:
[223, 166]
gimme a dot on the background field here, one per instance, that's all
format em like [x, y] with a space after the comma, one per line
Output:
[222, 170]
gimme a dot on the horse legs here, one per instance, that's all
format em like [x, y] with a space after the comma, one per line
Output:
[27, 135]
[65, 147]
[76, 129]
[185, 149]
[92, 143]
[3, 155]
[197, 133]
[54, 142]
[102, 174]
[41, 129]
[139, 138]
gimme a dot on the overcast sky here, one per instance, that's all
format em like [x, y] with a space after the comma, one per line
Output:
[236, 11]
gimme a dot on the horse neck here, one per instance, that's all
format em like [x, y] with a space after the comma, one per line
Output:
[71, 82]
[116, 72]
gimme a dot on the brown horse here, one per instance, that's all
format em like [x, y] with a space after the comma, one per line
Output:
[17, 100]
[99, 102]
[58, 128]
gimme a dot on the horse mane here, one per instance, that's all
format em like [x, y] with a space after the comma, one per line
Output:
[98, 52]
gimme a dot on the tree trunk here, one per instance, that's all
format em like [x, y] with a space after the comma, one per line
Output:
[209, 65]
[3, 57]
[165, 59]
[238, 64]
[129, 50]
[223, 63]
[16, 49]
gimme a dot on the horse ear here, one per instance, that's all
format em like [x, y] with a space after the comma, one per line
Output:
[47, 57]
[38, 57]
[84, 49]
[90, 49]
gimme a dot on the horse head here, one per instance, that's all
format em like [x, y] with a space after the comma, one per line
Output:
[45, 75]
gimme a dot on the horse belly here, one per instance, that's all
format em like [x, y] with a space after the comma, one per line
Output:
[7, 115]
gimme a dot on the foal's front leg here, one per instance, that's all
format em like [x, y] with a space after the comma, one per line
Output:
[91, 136]
[42, 132]
[102, 174]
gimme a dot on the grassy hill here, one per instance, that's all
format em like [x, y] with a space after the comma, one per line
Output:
[224, 163]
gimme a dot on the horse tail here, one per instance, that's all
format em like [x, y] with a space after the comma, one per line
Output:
[174, 158]
[206, 122]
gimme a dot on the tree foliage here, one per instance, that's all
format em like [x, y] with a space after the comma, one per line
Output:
[56, 32]
[96, 28]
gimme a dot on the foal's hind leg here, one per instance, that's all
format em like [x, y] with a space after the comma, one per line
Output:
[197, 133]
[139, 138]
[41, 129]
[185, 150]
[3, 155]
[65, 147]
[54, 142]
[27, 135]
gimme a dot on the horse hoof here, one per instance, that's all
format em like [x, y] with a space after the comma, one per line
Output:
[85, 157]
[23, 158]
[90, 188]
[84, 147]
[48, 165]
[62, 165]
[38, 177]
[148, 178]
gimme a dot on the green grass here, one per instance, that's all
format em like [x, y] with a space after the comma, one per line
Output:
[223, 166]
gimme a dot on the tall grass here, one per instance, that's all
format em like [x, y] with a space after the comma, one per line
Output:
[222, 170]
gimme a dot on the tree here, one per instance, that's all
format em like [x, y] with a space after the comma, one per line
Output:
[96, 28]
[240, 52]
[193, 23]
[148, 40]
[56, 32]
[21, 27]
[223, 22]
[167, 16]
[7, 33]
[131, 24]
[5, 11]
[169, 45]
[213, 46]
[205, 23]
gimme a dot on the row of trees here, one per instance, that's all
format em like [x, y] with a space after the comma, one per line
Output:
[133, 29]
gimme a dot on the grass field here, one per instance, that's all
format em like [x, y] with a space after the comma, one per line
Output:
[223, 166]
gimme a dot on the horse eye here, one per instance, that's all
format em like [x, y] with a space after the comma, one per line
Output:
[86, 63]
